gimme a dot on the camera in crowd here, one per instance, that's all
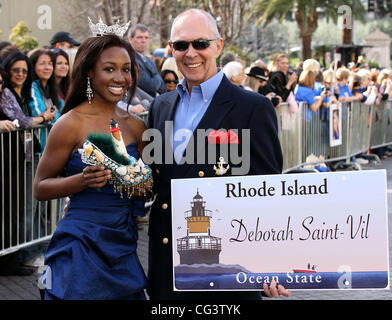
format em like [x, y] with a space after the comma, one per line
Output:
[275, 100]
[326, 90]
[291, 71]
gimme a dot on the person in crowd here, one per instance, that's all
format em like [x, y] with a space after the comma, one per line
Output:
[282, 81]
[314, 66]
[61, 72]
[363, 86]
[384, 84]
[170, 78]
[330, 88]
[345, 95]
[63, 40]
[305, 92]
[9, 263]
[170, 64]
[226, 58]
[150, 80]
[99, 227]
[17, 93]
[14, 103]
[257, 80]
[234, 71]
[44, 91]
[7, 50]
[256, 77]
[3, 44]
[206, 99]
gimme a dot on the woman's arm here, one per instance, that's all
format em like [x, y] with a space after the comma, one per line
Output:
[318, 102]
[10, 107]
[62, 141]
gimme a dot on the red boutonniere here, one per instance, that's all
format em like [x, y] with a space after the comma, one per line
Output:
[222, 137]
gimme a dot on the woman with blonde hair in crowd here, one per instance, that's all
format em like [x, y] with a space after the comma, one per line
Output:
[283, 80]
[384, 84]
[314, 66]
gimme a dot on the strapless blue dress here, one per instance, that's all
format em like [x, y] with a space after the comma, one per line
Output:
[92, 253]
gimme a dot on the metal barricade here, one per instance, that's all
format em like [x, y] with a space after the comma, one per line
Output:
[388, 136]
[24, 220]
[144, 116]
[289, 129]
[381, 125]
[305, 135]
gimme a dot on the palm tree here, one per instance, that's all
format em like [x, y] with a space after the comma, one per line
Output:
[306, 14]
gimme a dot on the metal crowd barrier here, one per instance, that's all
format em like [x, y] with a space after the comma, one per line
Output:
[305, 139]
[144, 116]
[24, 220]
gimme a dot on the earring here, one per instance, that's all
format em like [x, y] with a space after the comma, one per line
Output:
[126, 96]
[89, 91]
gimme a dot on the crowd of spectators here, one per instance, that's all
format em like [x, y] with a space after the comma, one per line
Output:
[312, 83]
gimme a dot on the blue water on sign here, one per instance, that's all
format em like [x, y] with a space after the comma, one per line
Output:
[319, 280]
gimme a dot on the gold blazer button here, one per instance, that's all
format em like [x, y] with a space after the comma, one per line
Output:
[165, 206]
[201, 173]
[165, 240]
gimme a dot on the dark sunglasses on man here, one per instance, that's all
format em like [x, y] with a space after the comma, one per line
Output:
[200, 44]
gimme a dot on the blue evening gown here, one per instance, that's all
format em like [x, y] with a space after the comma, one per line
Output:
[92, 253]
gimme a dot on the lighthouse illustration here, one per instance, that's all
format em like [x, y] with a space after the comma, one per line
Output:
[199, 246]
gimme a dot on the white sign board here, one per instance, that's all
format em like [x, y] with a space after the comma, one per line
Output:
[306, 231]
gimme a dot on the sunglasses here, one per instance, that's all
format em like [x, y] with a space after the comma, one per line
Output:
[171, 81]
[18, 70]
[200, 44]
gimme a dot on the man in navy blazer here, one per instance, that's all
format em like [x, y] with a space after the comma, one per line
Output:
[150, 80]
[205, 101]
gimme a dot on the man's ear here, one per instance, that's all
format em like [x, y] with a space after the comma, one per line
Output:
[219, 47]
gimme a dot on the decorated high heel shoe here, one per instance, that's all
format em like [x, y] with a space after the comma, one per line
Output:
[129, 175]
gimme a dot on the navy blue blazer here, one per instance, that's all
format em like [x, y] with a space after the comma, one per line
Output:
[149, 78]
[231, 108]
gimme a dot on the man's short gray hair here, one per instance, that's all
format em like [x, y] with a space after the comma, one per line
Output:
[140, 27]
[211, 20]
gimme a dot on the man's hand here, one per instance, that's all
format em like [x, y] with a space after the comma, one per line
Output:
[274, 290]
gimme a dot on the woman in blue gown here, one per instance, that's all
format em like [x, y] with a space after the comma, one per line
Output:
[92, 253]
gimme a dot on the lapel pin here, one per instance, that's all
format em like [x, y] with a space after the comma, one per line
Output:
[221, 169]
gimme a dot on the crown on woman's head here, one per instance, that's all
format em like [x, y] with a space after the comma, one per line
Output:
[101, 29]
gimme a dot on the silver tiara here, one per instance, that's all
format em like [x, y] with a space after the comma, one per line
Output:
[101, 29]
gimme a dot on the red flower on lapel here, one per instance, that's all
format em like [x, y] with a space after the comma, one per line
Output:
[222, 137]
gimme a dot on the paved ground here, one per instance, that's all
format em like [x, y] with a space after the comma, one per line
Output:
[25, 288]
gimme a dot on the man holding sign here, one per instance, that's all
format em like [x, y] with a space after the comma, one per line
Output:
[203, 124]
